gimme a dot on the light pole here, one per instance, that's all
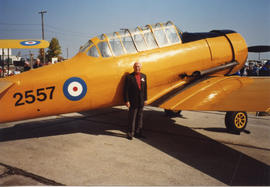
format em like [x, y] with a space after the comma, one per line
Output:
[42, 25]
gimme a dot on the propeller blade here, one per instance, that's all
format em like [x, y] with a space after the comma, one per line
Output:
[259, 48]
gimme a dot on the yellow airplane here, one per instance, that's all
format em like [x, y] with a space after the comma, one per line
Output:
[185, 71]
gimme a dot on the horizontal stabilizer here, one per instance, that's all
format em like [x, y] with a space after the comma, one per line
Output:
[23, 44]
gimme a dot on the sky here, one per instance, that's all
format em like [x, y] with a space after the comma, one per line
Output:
[74, 22]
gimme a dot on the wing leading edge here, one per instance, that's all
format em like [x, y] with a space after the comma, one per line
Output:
[224, 93]
[4, 85]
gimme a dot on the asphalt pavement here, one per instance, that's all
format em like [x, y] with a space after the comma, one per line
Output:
[90, 148]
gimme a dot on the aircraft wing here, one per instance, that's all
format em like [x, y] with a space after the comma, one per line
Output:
[4, 85]
[24, 44]
[224, 93]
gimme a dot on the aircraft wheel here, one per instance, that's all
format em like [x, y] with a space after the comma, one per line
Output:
[236, 121]
[173, 113]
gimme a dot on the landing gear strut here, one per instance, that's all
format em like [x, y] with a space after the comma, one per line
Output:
[236, 121]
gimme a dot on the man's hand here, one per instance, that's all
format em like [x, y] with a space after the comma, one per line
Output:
[145, 103]
[128, 104]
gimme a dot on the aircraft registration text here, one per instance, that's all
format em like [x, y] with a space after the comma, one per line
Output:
[32, 96]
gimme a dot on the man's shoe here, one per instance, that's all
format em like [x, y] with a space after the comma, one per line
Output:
[129, 137]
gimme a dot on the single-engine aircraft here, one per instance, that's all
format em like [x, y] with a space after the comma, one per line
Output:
[185, 71]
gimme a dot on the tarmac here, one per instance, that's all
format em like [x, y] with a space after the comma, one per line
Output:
[91, 148]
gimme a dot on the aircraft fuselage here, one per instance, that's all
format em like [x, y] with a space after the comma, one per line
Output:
[85, 82]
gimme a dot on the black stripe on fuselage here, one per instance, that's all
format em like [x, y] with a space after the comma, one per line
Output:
[190, 37]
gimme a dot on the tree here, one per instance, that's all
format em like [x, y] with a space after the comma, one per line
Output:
[54, 49]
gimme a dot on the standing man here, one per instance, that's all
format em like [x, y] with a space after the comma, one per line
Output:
[135, 96]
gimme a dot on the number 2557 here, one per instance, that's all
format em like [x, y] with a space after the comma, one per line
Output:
[31, 96]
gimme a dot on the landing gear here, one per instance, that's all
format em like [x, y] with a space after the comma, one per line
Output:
[173, 113]
[236, 121]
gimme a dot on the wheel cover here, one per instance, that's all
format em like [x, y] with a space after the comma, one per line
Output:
[240, 120]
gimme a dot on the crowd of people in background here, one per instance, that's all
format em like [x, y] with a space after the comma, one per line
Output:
[37, 64]
[26, 66]
[255, 69]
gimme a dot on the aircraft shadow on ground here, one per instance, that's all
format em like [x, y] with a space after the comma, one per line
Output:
[194, 149]
[221, 130]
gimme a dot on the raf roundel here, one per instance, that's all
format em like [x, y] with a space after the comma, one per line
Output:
[75, 88]
[30, 43]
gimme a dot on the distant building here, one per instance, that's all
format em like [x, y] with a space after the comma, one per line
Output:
[7, 53]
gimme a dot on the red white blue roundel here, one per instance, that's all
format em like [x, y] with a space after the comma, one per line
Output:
[74, 88]
[30, 43]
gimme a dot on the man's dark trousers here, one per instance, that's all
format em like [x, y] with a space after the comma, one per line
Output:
[135, 120]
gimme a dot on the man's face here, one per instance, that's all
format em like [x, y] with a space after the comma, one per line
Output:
[137, 67]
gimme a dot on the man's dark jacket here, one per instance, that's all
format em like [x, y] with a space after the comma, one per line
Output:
[132, 93]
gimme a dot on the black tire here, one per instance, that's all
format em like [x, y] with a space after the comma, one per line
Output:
[173, 113]
[236, 121]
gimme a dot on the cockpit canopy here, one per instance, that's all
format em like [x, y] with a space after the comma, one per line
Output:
[129, 41]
